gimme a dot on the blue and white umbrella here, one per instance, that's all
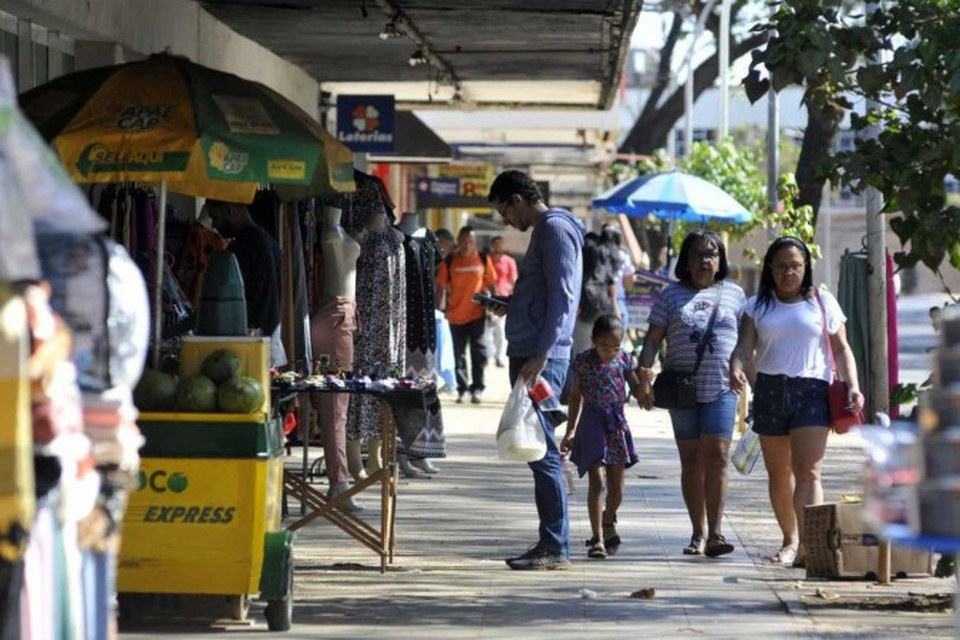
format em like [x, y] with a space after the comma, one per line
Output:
[673, 196]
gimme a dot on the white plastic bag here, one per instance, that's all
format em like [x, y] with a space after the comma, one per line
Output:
[747, 452]
[520, 436]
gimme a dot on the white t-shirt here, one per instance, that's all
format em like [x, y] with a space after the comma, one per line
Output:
[790, 338]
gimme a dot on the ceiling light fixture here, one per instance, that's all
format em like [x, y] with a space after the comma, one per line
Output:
[391, 30]
[418, 58]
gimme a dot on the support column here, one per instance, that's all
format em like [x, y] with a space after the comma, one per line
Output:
[26, 75]
[90, 54]
[54, 55]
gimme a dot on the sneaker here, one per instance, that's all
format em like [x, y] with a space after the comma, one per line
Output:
[537, 559]
[476, 397]
[460, 397]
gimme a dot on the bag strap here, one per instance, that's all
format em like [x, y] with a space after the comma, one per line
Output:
[702, 345]
[826, 333]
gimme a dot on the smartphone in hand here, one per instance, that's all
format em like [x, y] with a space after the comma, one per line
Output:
[489, 302]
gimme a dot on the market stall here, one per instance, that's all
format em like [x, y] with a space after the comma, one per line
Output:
[167, 123]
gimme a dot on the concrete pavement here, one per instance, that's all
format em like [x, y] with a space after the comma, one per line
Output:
[455, 528]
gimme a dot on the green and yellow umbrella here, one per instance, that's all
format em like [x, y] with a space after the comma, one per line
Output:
[205, 132]
[187, 128]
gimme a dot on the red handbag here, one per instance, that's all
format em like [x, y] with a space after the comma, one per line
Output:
[842, 417]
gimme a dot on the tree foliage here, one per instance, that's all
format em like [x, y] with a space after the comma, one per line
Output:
[664, 105]
[904, 59]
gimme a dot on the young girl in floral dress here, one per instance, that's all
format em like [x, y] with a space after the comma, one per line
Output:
[598, 436]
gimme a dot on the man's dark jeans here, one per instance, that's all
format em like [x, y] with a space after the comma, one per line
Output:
[472, 333]
[549, 489]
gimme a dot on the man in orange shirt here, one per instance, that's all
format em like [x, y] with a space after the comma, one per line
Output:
[462, 275]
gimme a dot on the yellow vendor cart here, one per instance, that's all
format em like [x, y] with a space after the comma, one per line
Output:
[202, 532]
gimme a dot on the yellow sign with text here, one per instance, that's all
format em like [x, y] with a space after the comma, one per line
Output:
[475, 179]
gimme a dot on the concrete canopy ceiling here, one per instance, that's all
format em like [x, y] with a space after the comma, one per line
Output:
[483, 53]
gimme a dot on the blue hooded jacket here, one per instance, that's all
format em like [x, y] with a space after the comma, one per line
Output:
[543, 308]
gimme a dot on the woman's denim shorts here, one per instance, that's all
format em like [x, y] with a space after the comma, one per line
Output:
[781, 403]
[716, 418]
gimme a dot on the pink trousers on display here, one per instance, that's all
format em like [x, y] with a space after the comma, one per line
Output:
[331, 335]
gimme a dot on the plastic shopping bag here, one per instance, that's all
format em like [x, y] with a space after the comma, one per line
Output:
[520, 436]
[747, 452]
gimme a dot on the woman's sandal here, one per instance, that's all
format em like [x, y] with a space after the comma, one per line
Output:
[611, 539]
[597, 550]
[717, 546]
[785, 556]
[696, 546]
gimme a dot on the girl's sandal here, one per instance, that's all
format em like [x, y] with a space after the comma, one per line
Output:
[611, 539]
[597, 551]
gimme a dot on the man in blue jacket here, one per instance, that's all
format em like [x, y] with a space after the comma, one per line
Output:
[539, 329]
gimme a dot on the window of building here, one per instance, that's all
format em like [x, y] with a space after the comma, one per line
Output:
[699, 135]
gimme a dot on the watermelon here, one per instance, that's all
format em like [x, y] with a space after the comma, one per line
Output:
[240, 395]
[156, 391]
[197, 394]
[220, 366]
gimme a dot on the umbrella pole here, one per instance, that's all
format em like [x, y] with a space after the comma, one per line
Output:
[158, 279]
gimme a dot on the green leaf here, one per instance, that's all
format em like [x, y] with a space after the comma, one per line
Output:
[755, 87]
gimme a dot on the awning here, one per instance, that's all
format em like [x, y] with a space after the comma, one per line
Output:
[414, 142]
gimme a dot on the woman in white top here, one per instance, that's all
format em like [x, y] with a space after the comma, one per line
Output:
[782, 353]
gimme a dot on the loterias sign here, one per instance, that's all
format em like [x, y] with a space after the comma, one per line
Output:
[366, 123]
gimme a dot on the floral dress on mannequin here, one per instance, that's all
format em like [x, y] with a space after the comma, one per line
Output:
[380, 344]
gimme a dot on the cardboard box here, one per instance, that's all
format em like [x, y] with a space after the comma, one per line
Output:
[839, 545]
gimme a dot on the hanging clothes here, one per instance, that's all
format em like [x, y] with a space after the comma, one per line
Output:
[295, 320]
[852, 296]
[380, 343]
[893, 336]
[421, 429]
[854, 301]
[358, 207]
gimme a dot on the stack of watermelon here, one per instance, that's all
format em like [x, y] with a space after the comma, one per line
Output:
[218, 386]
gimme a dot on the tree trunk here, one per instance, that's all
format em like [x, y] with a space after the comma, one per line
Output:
[819, 141]
[650, 131]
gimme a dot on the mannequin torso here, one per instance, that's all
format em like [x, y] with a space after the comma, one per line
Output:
[340, 253]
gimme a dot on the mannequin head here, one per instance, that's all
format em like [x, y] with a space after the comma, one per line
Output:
[409, 222]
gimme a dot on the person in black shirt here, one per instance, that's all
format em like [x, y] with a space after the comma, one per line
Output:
[258, 255]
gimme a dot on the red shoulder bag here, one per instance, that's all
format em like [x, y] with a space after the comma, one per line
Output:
[842, 417]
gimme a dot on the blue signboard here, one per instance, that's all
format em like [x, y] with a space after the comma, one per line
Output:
[366, 123]
[440, 187]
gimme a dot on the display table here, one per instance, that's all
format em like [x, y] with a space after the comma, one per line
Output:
[314, 504]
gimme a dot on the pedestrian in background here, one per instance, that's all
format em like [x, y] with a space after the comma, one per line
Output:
[782, 353]
[598, 436]
[445, 242]
[540, 317]
[623, 270]
[598, 296]
[682, 315]
[506, 268]
[461, 275]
